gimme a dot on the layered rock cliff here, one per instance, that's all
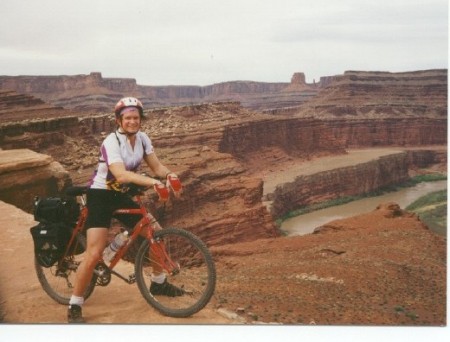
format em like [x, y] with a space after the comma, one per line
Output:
[353, 94]
[16, 107]
[339, 182]
[357, 94]
[25, 174]
[399, 131]
[94, 93]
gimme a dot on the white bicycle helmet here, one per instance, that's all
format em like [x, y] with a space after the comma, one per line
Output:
[128, 102]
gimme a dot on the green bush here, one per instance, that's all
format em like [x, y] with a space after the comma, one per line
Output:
[432, 210]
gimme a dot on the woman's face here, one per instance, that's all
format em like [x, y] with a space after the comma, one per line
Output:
[130, 122]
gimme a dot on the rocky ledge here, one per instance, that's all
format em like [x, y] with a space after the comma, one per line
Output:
[25, 174]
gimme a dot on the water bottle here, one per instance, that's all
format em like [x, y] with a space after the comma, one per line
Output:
[114, 246]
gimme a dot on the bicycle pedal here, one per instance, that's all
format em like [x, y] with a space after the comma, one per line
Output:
[132, 278]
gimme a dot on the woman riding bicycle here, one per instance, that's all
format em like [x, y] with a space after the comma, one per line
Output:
[121, 154]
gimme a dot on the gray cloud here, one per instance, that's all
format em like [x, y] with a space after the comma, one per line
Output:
[203, 42]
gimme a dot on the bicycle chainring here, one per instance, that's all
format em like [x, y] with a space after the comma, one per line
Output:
[103, 275]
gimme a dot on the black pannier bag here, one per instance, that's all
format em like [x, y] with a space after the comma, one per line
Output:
[55, 209]
[50, 241]
[56, 217]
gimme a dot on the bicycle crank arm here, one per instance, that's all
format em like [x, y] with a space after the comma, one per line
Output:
[131, 278]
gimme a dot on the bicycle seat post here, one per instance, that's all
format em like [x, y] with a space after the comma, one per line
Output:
[82, 200]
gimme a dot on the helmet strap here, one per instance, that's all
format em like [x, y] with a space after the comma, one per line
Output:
[120, 130]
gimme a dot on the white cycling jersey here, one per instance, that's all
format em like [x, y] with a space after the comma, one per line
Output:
[116, 148]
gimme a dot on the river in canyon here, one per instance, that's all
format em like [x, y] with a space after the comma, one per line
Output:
[305, 224]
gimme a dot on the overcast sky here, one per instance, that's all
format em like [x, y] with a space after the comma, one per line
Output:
[201, 42]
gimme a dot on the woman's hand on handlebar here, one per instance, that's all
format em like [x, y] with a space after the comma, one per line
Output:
[163, 190]
[174, 183]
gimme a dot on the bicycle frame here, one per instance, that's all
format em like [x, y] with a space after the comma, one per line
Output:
[147, 222]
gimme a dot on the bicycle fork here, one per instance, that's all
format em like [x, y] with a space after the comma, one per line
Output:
[158, 251]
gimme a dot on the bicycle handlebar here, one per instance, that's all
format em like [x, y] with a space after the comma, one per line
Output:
[132, 190]
[163, 190]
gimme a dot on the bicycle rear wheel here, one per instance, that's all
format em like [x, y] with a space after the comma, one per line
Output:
[196, 276]
[58, 280]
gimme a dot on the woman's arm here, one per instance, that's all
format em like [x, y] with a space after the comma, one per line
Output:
[163, 172]
[156, 166]
[123, 176]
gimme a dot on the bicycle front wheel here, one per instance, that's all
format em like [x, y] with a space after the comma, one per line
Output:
[58, 280]
[196, 274]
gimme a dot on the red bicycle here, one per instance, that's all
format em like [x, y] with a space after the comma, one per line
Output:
[184, 258]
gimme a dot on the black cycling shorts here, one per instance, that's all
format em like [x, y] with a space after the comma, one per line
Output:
[102, 203]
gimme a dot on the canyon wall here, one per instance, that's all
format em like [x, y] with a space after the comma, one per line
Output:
[94, 93]
[39, 135]
[241, 135]
[16, 107]
[358, 94]
[352, 94]
[388, 131]
[301, 137]
[352, 180]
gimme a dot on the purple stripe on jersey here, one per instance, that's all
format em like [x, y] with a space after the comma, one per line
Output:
[110, 176]
[104, 154]
[91, 181]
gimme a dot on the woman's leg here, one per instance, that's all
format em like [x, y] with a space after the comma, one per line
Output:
[96, 243]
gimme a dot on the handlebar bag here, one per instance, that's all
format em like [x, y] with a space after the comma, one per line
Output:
[50, 240]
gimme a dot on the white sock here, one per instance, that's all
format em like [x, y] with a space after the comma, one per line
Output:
[158, 278]
[75, 300]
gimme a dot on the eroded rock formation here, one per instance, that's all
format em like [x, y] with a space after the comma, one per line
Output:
[25, 174]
